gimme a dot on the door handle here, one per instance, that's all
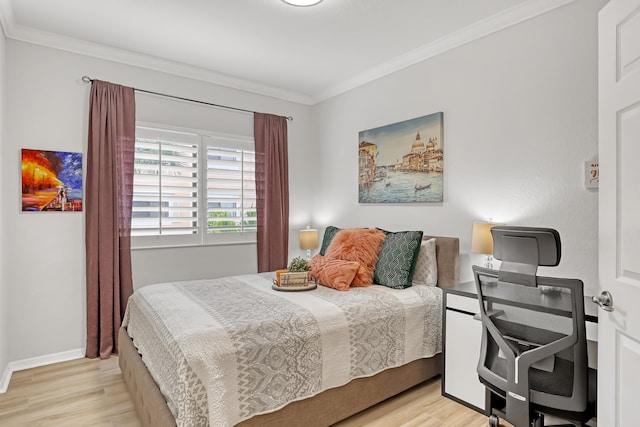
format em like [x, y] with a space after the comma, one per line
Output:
[604, 300]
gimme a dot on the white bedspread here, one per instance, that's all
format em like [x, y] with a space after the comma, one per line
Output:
[224, 350]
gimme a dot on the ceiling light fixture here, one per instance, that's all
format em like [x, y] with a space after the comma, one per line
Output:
[302, 3]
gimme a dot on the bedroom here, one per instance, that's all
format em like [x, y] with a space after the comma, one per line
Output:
[520, 120]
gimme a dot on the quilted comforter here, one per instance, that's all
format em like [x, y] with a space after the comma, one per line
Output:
[224, 350]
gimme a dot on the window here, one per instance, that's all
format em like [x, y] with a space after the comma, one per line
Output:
[192, 188]
[231, 188]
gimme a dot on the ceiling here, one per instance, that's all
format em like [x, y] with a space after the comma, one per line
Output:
[303, 54]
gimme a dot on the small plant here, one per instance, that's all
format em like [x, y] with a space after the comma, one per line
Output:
[299, 264]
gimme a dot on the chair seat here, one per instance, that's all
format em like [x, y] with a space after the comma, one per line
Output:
[558, 382]
[538, 383]
[582, 417]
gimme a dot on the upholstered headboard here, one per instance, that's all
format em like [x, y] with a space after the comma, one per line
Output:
[448, 256]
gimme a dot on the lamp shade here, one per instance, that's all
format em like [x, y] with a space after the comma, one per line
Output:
[481, 240]
[308, 239]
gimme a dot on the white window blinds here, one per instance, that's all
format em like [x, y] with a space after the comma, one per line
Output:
[181, 178]
[231, 188]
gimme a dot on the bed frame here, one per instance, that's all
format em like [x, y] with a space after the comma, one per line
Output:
[321, 410]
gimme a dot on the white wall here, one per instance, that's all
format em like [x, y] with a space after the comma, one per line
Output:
[520, 120]
[45, 266]
[4, 305]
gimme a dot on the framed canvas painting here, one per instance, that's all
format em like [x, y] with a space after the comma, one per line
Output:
[51, 181]
[402, 162]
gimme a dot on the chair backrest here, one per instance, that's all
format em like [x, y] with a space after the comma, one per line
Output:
[533, 342]
[523, 249]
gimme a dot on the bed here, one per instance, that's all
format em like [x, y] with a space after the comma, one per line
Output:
[320, 400]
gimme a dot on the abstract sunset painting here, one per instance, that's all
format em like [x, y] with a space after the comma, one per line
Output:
[51, 181]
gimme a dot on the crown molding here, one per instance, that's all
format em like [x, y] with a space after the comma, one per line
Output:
[96, 50]
[505, 19]
[483, 28]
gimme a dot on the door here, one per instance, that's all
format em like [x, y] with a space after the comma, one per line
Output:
[619, 210]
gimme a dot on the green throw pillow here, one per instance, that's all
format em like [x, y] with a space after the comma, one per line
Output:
[397, 259]
[329, 232]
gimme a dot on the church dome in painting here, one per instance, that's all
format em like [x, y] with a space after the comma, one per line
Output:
[418, 145]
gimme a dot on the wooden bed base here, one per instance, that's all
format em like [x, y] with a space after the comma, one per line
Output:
[321, 410]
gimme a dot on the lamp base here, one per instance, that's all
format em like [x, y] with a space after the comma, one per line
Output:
[488, 263]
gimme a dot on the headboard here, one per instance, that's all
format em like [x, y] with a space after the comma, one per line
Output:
[448, 258]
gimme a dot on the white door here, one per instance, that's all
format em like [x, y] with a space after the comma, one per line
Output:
[619, 209]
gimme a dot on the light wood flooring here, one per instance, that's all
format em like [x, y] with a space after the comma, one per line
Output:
[91, 392]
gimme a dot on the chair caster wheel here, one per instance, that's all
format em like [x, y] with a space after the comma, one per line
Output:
[494, 421]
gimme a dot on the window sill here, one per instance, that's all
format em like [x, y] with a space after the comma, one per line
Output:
[192, 245]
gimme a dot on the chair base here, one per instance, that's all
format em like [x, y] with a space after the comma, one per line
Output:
[494, 421]
[497, 411]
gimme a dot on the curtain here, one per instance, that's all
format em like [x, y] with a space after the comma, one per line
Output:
[272, 190]
[109, 195]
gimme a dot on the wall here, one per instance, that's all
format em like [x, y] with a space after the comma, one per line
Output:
[520, 120]
[45, 268]
[4, 305]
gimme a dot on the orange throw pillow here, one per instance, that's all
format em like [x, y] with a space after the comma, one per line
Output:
[361, 245]
[333, 273]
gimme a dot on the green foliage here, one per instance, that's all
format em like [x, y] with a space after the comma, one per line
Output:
[221, 223]
[298, 264]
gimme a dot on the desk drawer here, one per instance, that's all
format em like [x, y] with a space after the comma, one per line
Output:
[463, 337]
[466, 304]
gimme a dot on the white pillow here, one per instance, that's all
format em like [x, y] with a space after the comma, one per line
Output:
[426, 272]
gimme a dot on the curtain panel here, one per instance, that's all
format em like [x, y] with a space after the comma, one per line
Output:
[109, 194]
[272, 190]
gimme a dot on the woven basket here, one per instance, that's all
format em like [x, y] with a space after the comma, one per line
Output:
[294, 279]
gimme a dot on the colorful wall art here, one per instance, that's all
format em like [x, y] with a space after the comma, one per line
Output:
[51, 181]
[402, 162]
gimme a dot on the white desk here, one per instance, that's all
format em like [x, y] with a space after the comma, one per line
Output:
[461, 344]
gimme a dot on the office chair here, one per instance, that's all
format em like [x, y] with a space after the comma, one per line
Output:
[533, 355]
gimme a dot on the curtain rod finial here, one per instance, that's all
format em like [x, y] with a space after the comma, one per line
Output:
[86, 79]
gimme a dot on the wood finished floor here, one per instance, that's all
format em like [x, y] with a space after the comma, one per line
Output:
[90, 392]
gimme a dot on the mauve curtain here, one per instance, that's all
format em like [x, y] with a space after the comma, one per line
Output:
[272, 190]
[109, 197]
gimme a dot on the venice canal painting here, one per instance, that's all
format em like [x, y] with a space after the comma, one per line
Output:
[51, 181]
[402, 162]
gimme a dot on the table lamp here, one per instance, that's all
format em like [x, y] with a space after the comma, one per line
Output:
[482, 241]
[308, 240]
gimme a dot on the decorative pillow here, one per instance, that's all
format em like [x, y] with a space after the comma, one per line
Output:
[397, 259]
[361, 245]
[426, 272]
[334, 273]
[329, 232]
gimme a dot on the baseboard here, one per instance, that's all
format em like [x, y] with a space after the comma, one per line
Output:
[4, 379]
[35, 362]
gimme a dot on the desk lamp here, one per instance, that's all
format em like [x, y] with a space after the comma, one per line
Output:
[308, 240]
[482, 242]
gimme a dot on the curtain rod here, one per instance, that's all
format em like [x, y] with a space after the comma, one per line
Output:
[87, 80]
